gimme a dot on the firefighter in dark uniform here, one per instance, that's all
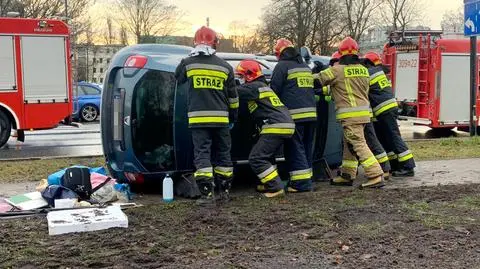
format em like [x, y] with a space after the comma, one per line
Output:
[274, 122]
[385, 110]
[292, 81]
[349, 83]
[212, 108]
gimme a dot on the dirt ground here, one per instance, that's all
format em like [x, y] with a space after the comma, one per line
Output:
[425, 227]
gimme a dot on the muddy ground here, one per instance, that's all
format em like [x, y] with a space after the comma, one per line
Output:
[436, 227]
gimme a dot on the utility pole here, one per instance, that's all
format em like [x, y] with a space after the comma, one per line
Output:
[208, 22]
[66, 9]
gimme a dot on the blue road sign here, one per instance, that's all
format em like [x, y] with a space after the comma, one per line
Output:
[472, 17]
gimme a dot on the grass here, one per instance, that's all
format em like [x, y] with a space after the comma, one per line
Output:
[34, 170]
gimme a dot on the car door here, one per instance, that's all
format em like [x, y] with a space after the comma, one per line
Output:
[91, 95]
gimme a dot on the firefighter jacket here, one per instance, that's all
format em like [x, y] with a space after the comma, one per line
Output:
[349, 86]
[266, 108]
[212, 97]
[292, 81]
[380, 94]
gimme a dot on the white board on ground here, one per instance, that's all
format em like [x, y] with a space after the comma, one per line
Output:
[85, 220]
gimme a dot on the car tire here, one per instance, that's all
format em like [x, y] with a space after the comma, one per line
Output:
[89, 113]
[5, 128]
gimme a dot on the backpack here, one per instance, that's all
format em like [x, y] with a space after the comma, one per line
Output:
[77, 179]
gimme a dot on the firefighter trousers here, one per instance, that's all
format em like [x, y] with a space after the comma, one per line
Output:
[299, 156]
[211, 149]
[389, 135]
[355, 151]
[376, 147]
[262, 161]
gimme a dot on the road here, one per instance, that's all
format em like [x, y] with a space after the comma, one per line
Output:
[61, 141]
[85, 141]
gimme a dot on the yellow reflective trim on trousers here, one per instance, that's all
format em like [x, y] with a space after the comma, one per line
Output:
[300, 75]
[385, 108]
[369, 162]
[304, 115]
[301, 176]
[353, 102]
[235, 105]
[223, 173]
[355, 114]
[383, 159]
[208, 120]
[203, 174]
[270, 177]
[406, 157]
[279, 131]
[392, 157]
[267, 94]
[206, 72]
[349, 164]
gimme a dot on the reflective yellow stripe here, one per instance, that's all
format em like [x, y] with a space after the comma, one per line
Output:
[252, 106]
[326, 90]
[353, 102]
[385, 108]
[203, 174]
[223, 173]
[235, 105]
[278, 131]
[349, 164]
[355, 114]
[369, 162]
[267, 94]
[405, 158]
[392, 156]
[383, 159]
[208, 120]
[206, 72]
[377, 79]
[304, 115]
[269, 177]
[300, 74]
[301, 176]
[329, 73]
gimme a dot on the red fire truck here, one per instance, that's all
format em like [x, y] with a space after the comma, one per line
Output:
[35, 77]
[431, 78]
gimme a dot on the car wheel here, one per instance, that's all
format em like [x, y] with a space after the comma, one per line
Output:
[5, 128]
[89, 113]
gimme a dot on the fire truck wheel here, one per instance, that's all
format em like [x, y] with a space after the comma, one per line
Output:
[89, 113]
[5, 128]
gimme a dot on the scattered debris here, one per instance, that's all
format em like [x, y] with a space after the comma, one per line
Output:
[27, 201]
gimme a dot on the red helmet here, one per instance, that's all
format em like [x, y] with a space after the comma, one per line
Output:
[249, 69]
[336, 56]
[206, 36]
[282, 44]
[373, 57]
[348, 46]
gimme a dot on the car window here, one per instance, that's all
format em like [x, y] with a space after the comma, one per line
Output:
[90, 90]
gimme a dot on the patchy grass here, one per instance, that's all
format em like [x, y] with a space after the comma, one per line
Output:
[34, 170]
[446, 148]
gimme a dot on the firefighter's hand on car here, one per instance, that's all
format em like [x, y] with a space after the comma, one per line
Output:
[319, 67]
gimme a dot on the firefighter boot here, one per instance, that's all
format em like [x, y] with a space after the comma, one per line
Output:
[300, 186]
[386, 176]
[373, 183]
[342, 180]
[206, 187]
[271, 189]
[223, 186]
[403, 173]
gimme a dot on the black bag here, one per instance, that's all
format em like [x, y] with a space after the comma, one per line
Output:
[78, 180]
[53, 192]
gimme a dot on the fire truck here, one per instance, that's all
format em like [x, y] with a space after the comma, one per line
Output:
[35, 77]
[431, 78]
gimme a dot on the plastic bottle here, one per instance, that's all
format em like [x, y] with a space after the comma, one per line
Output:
[167, 189]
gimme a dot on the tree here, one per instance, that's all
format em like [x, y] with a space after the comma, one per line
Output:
[145, 18]
[109, 32]
[452, 21]
[123, 35]
[358, 16]
[402, 13]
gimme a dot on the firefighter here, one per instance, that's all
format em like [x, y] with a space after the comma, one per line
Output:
[212, 108]
[385, 110]
[274, 121]
[292, 81]
[349, 82]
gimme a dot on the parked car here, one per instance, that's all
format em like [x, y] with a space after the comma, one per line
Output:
[86, 101]
[144, 122]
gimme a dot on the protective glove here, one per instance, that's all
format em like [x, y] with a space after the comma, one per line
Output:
[231, 125]
[319, 67]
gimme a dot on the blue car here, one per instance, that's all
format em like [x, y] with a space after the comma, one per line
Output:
[86, 101]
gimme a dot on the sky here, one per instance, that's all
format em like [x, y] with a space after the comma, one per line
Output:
[222, 12]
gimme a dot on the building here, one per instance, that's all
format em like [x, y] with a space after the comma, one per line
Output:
[92, 61]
